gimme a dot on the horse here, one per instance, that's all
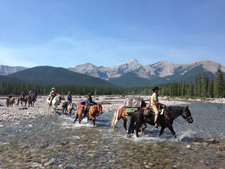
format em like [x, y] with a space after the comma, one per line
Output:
[55, 102]
[25, 99]
[122, 113]
[10, 102]
[94, 110]
[68, 108]
[31, 100]
[119, 113]
[165, 120]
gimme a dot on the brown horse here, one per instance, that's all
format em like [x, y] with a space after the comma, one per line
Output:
[119, 113]
[10, 102]
[93, 111]
[32, 99]
[25, 99]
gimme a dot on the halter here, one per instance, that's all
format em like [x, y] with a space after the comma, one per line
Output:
[185, 116]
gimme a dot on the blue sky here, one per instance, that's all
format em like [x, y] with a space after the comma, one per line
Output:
[66, 33]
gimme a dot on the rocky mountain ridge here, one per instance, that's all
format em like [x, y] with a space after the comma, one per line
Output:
[107, 72]
[132, 73]
[6, 70]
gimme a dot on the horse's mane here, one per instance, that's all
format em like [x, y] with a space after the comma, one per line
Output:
[174, 110]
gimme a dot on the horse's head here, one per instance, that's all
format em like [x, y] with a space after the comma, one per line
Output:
[187, 115]
[99, 108]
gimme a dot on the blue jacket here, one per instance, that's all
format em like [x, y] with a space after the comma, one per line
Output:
[69, 98]
[89, 102]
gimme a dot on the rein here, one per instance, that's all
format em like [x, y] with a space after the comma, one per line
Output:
[183, 115]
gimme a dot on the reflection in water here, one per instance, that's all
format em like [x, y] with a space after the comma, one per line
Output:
[59, 143]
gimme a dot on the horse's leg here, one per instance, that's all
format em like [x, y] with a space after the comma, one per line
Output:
[93, 121]
[134, 128]
[125, 123]
[91, 117]
[76, 118]
[172, 131]
[138, 125]
[80, 119]
[161, 131]
[142, 128]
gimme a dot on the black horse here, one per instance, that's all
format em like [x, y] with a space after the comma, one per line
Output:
[32, 99]
[165, 120]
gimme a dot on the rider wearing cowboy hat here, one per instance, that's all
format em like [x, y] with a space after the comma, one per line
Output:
[52, 94]
[155, 104]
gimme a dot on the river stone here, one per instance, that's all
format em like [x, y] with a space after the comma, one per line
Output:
[52, 161]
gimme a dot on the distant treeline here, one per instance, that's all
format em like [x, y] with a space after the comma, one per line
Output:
[201, 87]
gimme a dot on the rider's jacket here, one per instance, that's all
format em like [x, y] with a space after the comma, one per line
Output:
[53, 93]
[69, 98]
[89, 101]
[154, 98]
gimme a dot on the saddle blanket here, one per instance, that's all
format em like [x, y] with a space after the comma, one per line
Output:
[148, 112]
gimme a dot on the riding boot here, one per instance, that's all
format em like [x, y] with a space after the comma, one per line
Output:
[50, 102]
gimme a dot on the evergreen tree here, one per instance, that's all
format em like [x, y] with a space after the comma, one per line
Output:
[204, 85]
[219, 84]
[210, 89]
[191, 89]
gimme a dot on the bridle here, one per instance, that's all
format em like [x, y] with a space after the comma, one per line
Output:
[184, 115]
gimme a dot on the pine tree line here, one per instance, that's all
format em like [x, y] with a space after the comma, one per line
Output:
[202, 87]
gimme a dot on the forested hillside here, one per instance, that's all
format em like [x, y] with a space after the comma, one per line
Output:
[47, 75]
[202, 87]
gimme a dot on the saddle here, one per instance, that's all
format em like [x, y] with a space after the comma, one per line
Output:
[149, 111]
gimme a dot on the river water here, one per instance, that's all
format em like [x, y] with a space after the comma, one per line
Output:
[57, 142]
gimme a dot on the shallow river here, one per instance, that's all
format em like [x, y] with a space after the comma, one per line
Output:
[57, 142]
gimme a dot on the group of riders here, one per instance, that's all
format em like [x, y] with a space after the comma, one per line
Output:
[89, 102]
[154, 101]
[31, 95]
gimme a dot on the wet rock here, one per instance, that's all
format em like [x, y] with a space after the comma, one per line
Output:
[212, 140]
[51, 162]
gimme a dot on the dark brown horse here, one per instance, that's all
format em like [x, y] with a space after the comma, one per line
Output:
[93, 111]
[165, 120]
[25, 100]
[31, 100]
[10, 102]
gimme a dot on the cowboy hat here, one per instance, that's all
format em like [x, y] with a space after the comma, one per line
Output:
[155, 88]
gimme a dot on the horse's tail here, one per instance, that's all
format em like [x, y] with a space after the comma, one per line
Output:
[131, 126]
[115, 118]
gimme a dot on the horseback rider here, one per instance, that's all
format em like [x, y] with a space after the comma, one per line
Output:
[9, 97]
[155, 104]
[69, 98]
[52, 95]
[89, 103]
[31, 92]
[23, 94]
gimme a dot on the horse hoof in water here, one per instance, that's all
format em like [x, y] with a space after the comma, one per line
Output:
[129, 135]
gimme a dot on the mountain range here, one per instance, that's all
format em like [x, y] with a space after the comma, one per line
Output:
[129, 74]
